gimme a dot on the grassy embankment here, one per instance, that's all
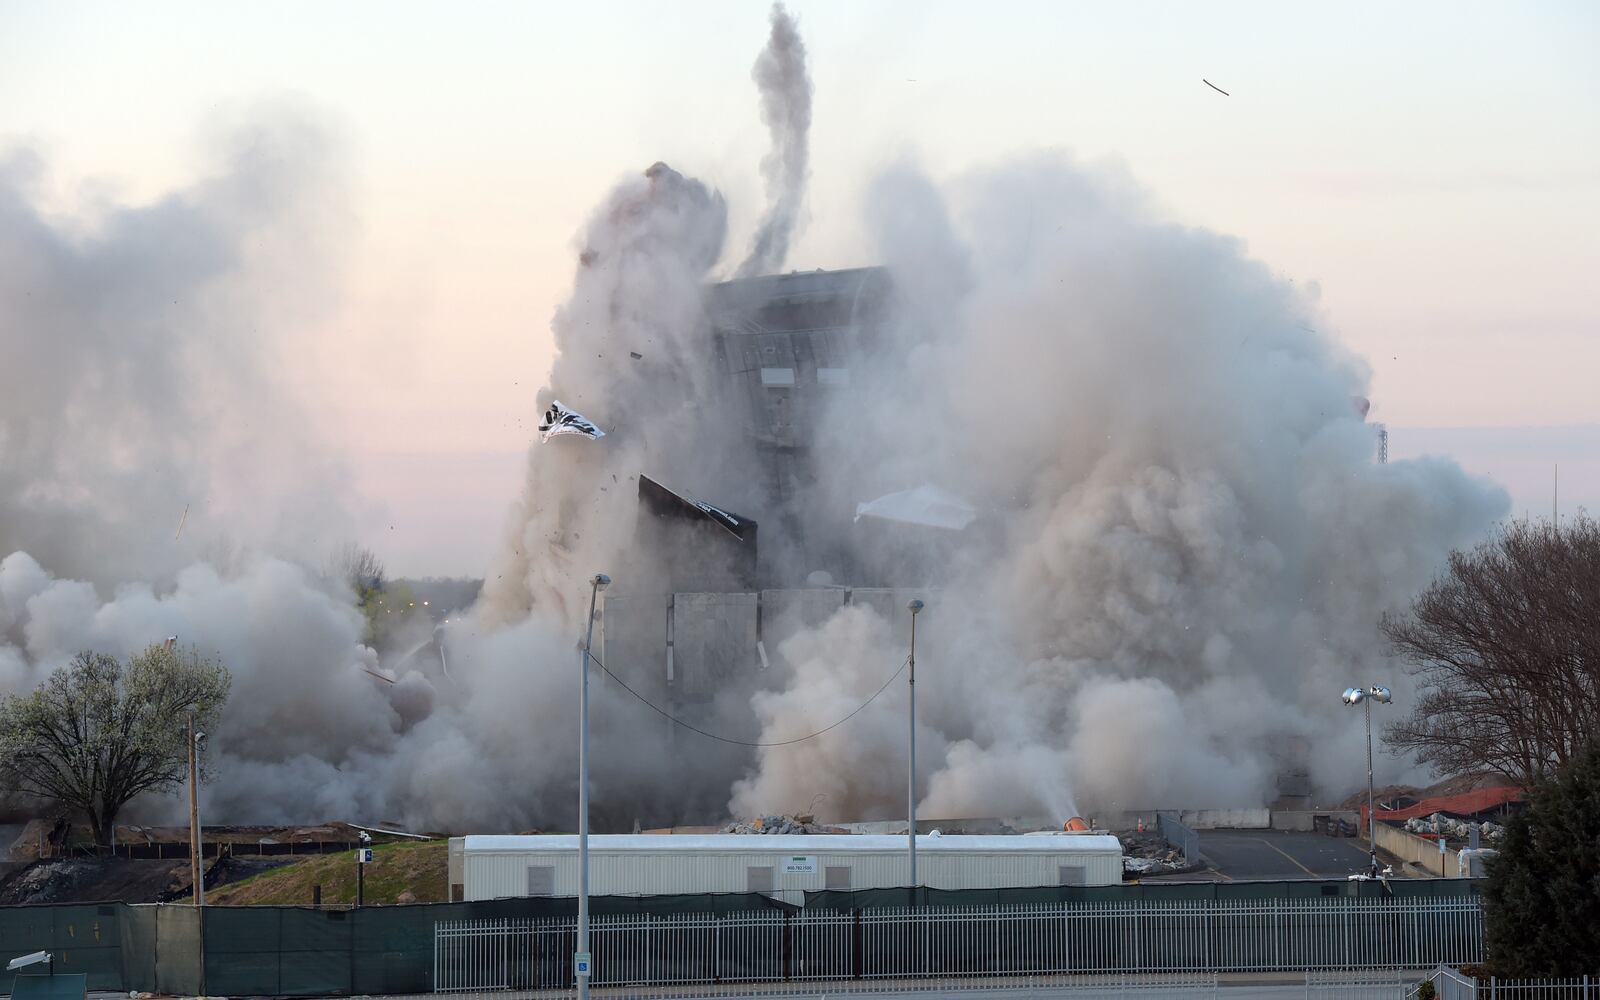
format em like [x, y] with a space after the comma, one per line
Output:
[418, 868]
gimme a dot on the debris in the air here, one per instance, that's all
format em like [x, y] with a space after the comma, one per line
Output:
[559, 420]
[1213, 86]
[926, 505]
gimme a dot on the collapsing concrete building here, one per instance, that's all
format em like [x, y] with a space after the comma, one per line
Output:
[793, 353]
[728, 586]
[793, 347]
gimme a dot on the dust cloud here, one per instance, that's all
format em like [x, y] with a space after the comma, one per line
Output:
[1186, 542]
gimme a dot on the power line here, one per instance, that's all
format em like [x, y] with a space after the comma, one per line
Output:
[745, 743]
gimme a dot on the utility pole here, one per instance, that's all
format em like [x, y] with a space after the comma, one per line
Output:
[196, 863]
[911, 748]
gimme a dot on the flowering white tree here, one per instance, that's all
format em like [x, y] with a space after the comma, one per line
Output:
[96, 734]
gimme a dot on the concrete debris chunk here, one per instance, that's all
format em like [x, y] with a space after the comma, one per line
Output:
[779, 826]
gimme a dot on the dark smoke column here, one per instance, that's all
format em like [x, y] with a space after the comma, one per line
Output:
[780, 73]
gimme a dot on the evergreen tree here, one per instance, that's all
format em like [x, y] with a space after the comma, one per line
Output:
[1543, 895]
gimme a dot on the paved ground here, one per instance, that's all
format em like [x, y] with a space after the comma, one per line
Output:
[1371, 984]
[1281, 854]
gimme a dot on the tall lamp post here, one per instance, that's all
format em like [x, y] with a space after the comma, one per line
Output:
[911, 748]
[1365, 697]
[582, 960]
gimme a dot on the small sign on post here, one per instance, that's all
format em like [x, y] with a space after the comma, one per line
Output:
[363, 858]
[582, 961]
[1442, 872]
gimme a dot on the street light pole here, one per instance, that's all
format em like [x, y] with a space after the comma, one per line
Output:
[598, 583]
[1372, 833]
[1365, 698]
[911, 748]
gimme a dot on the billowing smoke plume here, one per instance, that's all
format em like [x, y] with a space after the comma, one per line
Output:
[1182, 550]
[1193, 543]
[630, 343]
[1188, 541]
[144, 418]
[780, 73]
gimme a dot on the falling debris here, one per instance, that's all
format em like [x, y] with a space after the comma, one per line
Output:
[779, 826]
[181, 522]
[660, 500]
[926, 505]
[635, 355]
[1213, 86]
[559, 420]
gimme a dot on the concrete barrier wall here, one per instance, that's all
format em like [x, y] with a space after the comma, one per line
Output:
[1226, 819]
[1424, 851]
[1305, 819]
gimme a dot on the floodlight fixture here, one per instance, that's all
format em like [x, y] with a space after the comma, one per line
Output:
[24, 961]
[1368, 695]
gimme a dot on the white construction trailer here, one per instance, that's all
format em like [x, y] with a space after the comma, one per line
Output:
[784, 867]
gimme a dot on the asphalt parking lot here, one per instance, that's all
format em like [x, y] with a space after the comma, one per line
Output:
[1278, 854]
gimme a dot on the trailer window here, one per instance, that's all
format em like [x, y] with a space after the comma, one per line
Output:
[541, 880]
[837, 877]
[1072, 875]
[758, 879]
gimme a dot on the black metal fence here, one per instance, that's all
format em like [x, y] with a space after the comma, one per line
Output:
[211, 849]
[289, 951]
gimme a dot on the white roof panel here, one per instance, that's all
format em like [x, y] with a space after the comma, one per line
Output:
[796, 844]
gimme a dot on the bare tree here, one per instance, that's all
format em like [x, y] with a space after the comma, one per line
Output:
[1505, 647]
[95, 734]
[357, 566]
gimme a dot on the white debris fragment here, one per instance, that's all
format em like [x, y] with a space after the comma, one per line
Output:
[927, 505]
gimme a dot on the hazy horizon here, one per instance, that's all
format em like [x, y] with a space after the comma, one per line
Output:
[1433, 171]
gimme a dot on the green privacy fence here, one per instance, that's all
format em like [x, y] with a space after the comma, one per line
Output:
[300, 951]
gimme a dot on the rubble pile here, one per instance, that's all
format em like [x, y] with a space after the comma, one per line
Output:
[1440, 825]
[1149, 854]
[779, 826]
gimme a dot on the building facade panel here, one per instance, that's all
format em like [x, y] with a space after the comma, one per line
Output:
[796, 868]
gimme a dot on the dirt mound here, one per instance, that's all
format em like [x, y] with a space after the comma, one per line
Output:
[417, 870]
[94, 880]
[1405, 795]
[1467, 783]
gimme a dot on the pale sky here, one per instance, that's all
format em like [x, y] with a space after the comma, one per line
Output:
[1434, 167]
